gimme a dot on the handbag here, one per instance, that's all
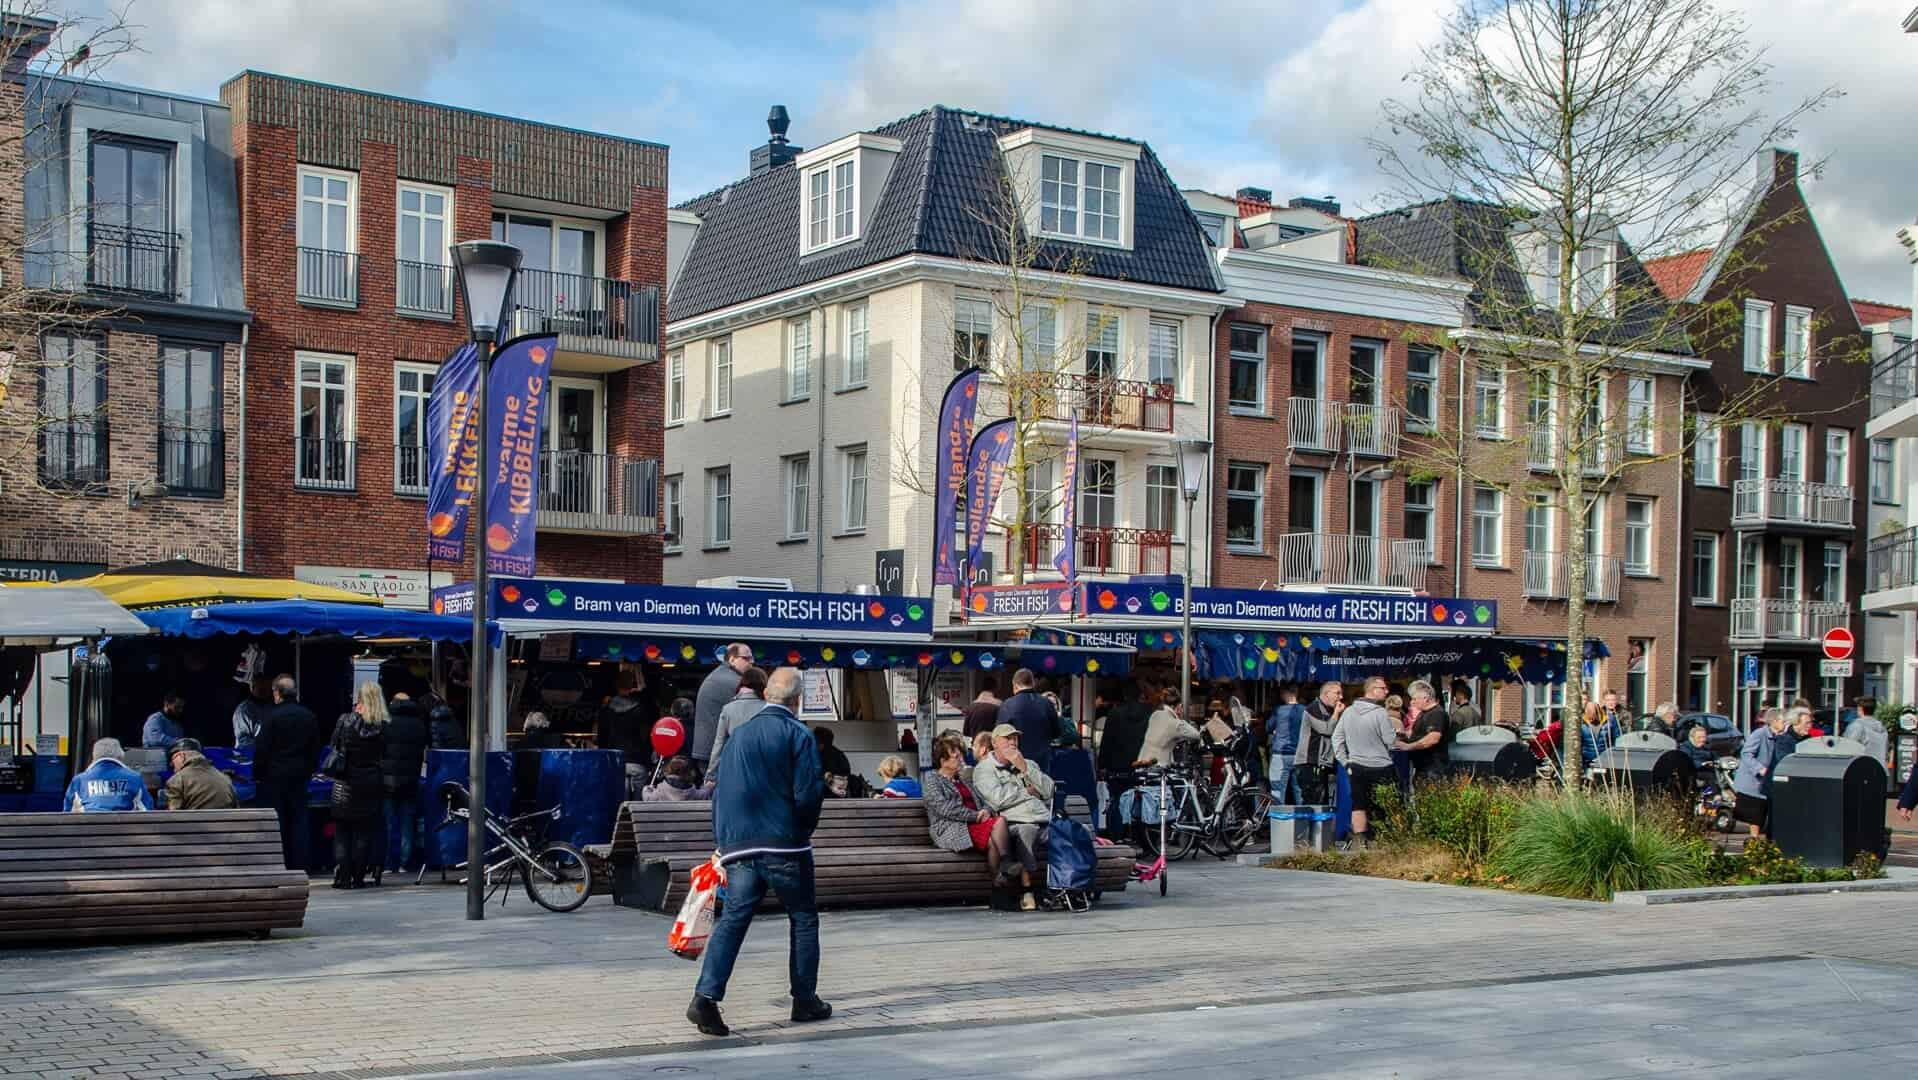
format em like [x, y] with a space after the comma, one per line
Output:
[333, 763]
[695, 922]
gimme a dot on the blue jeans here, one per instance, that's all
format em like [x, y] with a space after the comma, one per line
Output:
[791, 877]
[402, 813]
[1280, 773]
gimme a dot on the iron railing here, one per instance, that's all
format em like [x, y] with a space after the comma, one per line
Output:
[550, 302]
[1096, 400]
[1373, 430]
[1891, 561]
[1313, 424]
[608, 494]
[1894, 379]
[1802, 621]
[422, 288]
[1101, 550]
[324, 464]
[73, 453]
[1311, 558]
[328, 277]
[1542, 448]
[193, 460]
[410, 470]
[140, 262]
[1791, 502]
[1548, 576]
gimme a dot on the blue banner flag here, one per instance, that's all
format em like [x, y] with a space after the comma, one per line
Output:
[516, 395]
[1067, 561]
[453, 455]
[955, 436]
[985, 471]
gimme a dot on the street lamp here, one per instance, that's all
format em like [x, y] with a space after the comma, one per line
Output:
[484, 271]
[1194, 456]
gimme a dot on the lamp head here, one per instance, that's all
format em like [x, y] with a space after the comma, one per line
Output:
[486, 270]
[1194, 456]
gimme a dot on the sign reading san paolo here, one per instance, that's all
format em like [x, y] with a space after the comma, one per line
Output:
[665, 607]
[1369, 611]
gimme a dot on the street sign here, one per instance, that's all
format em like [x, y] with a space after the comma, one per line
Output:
[1750, 672]
[1839, 643]
[1834, 668]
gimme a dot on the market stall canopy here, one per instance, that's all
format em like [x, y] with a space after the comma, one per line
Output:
[132, 589]
[309, 618]
[28, 614]
[1308, 657]
[858, 655]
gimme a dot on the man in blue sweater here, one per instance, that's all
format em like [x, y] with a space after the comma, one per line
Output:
[765, 808]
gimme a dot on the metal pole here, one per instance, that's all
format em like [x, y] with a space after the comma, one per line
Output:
[476, 723]
[1185, 636]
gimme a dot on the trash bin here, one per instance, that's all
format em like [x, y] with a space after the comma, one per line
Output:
[1650, 764]
[1297, 829]
[1492, 753]
[1828, 802]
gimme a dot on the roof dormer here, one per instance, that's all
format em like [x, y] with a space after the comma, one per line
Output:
[1074, 187]
[839, 185]
[1539, 248]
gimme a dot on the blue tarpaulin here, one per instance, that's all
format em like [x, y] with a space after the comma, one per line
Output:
[1294, 657]
[308, 617]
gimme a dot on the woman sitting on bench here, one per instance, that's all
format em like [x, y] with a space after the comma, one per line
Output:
[957, 820]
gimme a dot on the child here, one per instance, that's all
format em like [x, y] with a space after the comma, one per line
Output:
[898, 780]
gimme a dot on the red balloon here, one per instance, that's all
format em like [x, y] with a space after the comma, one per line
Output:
[668, 736]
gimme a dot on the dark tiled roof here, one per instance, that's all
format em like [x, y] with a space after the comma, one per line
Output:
[937, 200]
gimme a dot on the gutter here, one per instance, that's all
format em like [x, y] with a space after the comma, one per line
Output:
[239, 517]
[1458, 487]
[819, 458]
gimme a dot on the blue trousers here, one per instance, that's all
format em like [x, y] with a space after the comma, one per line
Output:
[1279, 773]
[402, 812]
[791, 878]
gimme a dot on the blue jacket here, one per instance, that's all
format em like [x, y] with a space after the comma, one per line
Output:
[1037, 721]
[160, 732]
[902, 787]
[1594, 740]
[105, 786]
[770, 787]
[1285, 728]
[1761, 750]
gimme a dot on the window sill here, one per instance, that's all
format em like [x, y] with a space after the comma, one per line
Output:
[727, 546]
[333, 305]
[1749, 370]
[671, 424]
[1420, 427]
[411, 496]
[672, 551]
[791, 541]
[1249, 551]
[324, 489]
[1073, 239]
[1719, 484]
[800, 400]
[1696, 602]
[853, 388]
[1249, 412]
[1492, 436]
[1800, 378]
[1476, 565]
[816, 249]
[1885, 502]
[411, 313]
[1641, 575]
[844, 533]
[719, 415]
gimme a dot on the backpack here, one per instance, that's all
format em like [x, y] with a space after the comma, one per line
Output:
[1072, 865]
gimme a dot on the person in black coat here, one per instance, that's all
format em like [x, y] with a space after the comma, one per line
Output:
[407, 738]
[285, 750]
[445, 728]
[359, 754]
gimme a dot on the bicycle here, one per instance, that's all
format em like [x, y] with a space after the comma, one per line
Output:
[556, 874]
[1224, 820]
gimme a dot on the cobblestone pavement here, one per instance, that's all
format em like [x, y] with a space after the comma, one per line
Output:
[394, 981]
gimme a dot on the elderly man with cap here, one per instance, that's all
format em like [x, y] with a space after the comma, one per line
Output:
[1019, 791]
[195, 783]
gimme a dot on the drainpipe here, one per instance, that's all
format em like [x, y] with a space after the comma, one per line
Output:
[1461, 563]
[819, 460]
[1211, 434]
[239, 516]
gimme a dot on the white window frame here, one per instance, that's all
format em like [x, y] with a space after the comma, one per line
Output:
[1700, 669]
[1708, 453]
[1714, 544]
[1635, 566]
[675, 387]
[1155, 492]
[352, 204]
[1797, 363]
[1754, 449]
[1429, 380]
[1838, 450]
[796, 486]
[825, 219]
[1595, 284]
[799, 358]
[1256, 358]
[673, 506]
[1825, 567]
[1496, 556]
[1748, 576]
[350, 381]
[1039, 337]
[1797, 564]
[1757, 336]
[1257, 497]
[858, 368]
[1541, 510]
[1787, 434]
[1888, 495]
[1544, 702]
[1775, 688]
[1103, 327]
[719, 507]
[448, 221]
[1488, 390]
[855, 488]
[1060, 197]
[719, 378]
[1427, 505]
[1641, 413]
[966, 312]
[421, 394]
[1155, 357]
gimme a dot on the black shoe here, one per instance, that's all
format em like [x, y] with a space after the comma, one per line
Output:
[704, 1013]
[807, 1012]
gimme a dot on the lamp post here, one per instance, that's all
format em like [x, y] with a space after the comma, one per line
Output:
[484, 271]
[1194, 456]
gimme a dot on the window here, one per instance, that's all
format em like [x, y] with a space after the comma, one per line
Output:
[1750, 560]
[1757, 336]
[1488, 400]
[1707, 453]
[324, 422]
[1062, 212]
[1544, 703]
[1798, 342]
[1098, 493]
[1213, 225]
[798, 359]
[1421, 386]
[412, 388]
[1638, 675]
[1877, 681]
[1751, 451]
[1704, 568]
[1162, 498]
[1778, 683]
[971, 333]
[1103, 202]
[424, 282]
[1595, 268]
[72, 416]
[798, 470]
[1488, 526]
[719, 508]
[721, 377]
[1245, 507]
[1698, 684]
[1538, 524]
[327, 271]
[131, 245]
[675, 524]
[854, 460]
[1832, 581]
[1163, 353]
[1884, 458]
[1059, 195]
[676, 386]
[1638, 536]
[1304, 502]
[1421, 517]
[1838, 457]
[1247, 375]
[857, 339]
[1639, 414]
[1102, 346]
[1041, 497]
[1791, 558]
[1038, 326]
[832, 203]
[192, 435]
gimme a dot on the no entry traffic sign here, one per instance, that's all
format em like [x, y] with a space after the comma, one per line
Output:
[1839, 643]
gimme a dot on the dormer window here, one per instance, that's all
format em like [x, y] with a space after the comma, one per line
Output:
[1072, 186]
[832, 203]
[1594, 272]
[840, 185]
[1062, 182]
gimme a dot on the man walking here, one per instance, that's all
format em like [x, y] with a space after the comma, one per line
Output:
[285, 752]
[1037, 721]
[719, 689]
[765, 808]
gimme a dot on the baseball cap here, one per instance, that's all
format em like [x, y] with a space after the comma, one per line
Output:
[184, 744]
[1005, 731]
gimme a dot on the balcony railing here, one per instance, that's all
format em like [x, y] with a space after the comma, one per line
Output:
[1108, 551]
[1891, 562]
[423, 288]
[1373, 430]
[1894, 379]
[73, 453]
[328, 277]
[1548, 576]
[1314, 424]
[1791, 502]
[410, 476]
[140, 262]
[1542, 449]
[324, 464]
[193, 460]
[1309, 558]
[1121, 404]
[1803, 621]
[549, 302]
[608, 494]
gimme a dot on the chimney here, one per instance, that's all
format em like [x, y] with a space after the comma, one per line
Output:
[1253, 200]
[1777, 167]
[777, 151]
[1325, 205]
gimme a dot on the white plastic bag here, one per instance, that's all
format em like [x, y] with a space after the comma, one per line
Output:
[695, 922]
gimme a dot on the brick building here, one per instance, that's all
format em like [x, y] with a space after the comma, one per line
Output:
[350, 200]
[120, 395]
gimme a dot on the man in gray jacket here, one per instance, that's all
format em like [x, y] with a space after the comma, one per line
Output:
[714, 695]
[1016, 789]
[743, 707]
[1363, 743]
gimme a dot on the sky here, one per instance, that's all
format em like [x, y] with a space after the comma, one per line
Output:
[1278, 94]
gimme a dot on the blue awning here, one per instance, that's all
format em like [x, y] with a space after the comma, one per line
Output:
[1292, 657]
[310, 617]
[857, 655]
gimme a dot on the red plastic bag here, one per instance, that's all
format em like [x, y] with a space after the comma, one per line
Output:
[695, 922]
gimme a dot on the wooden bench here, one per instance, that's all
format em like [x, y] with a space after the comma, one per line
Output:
[76, 876]
[866, 852]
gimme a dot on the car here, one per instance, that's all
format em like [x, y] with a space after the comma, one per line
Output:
[1722, 737]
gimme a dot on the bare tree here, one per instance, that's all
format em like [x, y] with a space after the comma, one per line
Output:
[1569, 139]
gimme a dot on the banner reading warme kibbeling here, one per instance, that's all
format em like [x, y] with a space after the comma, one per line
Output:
[516, 393]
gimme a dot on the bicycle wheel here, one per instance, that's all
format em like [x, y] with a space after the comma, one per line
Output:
[1245, 819]
[560, 879]
[1185, 830]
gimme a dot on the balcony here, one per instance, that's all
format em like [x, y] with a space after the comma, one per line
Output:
[410, 471]
[1891, 572]
[324, 464]
[1119, 404]
[600, 494]
[593, 317]
[1372, 430]
[193, 461]
[136, 262]
[1542, 449]
[1801, 622]
[1309, 558]
[1102, 551]
[1791, 503]
[72, 454]
[328, 278]
[1894, 395]
[1548, 576]
[1314, 425]
[423, 289]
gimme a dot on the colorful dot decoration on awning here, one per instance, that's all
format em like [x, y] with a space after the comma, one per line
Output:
[1286, 657]
[853, 656]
